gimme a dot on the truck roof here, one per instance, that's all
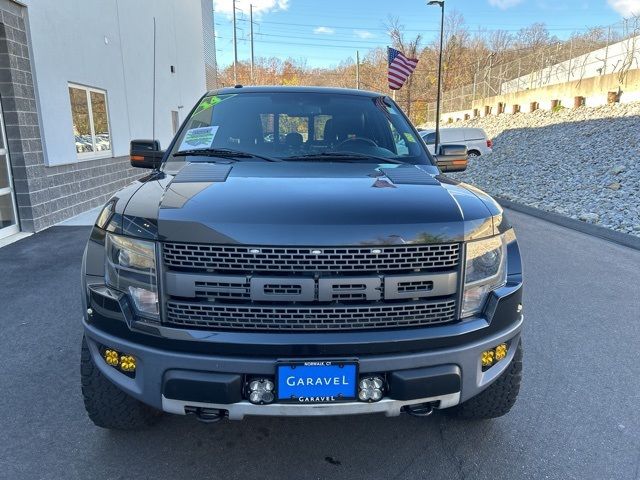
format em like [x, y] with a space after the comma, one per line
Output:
[288, 89]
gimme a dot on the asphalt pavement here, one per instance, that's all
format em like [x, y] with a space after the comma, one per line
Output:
[578, 415]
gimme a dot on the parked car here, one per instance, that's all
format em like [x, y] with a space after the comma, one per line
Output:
[83, 143]
[330, 270]
[474, 138]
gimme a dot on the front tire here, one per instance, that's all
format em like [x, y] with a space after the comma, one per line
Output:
[497, 399]
[473, 153]
[108, 406]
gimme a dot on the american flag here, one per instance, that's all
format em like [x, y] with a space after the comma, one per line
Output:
[400, 67]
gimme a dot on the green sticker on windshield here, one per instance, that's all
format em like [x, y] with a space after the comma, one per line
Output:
[209, 102]
[410, 137]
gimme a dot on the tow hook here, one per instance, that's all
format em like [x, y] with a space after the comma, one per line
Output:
[421, 410]
[206, 415]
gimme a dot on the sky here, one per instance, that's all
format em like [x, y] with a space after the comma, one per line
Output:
[326, 32]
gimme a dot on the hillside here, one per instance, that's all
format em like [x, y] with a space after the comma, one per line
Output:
[583, 163]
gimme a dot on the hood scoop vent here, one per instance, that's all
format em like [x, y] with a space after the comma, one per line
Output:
[409, 176]
[203, 172]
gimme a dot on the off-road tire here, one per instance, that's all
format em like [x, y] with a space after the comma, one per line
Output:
[498, 398]
[108, 406]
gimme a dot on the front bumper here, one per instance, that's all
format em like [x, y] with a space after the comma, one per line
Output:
[163, 352]
[237, 411]
[154, 365]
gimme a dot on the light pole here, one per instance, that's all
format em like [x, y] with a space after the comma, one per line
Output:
[235, 47]
[441, 3]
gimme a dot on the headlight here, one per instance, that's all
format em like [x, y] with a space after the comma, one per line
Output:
[131, 268]
[485, 270]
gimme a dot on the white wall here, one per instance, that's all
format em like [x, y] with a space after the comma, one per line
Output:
[611, 59]
[108, 44]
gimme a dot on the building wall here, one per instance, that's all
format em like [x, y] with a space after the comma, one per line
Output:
[104, 44]
[209, 40]
[109, 45]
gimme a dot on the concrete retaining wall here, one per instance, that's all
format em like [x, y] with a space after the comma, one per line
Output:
[594, 91]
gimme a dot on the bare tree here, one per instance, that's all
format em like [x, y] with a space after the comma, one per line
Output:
[534, 37]
[409, 47]
[499, 41]
[631, 47]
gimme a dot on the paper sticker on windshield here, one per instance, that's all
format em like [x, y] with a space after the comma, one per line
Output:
[199, 138]
[410, 137]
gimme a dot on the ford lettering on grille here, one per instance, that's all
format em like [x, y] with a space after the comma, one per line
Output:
[305, 289]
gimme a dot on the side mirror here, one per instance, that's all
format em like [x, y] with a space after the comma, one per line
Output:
[452, 158]
[145, 154]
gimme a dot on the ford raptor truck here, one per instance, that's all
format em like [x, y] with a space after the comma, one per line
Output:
[299, 252]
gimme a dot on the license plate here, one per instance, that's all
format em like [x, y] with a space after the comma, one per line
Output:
[317, 381]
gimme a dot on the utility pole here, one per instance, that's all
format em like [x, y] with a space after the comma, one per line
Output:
[441, 4]
[251, 33]
[215, 52]
[491, 91]
[235, 47]
[153, 94]
[357, 69]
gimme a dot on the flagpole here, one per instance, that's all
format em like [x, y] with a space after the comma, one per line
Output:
[393, 92]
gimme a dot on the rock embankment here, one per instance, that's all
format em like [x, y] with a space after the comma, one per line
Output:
[583, 163]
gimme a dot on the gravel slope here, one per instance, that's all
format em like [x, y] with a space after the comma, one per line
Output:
[583, 163]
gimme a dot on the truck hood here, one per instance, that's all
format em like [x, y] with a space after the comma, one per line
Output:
[312, 204]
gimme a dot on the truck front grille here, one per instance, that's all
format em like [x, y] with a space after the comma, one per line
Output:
[224, 287]
[247, 317]
[226, 258]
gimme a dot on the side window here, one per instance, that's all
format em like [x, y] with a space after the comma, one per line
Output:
[430, 138]
[90, 117]
[401, 142]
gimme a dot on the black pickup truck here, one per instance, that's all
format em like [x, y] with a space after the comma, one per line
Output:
[298, 251]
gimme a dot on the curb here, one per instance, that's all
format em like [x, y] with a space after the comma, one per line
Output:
[614, 236]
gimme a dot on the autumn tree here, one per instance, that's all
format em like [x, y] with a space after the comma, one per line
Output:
[482, 57]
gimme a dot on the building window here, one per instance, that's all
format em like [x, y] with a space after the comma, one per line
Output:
[90, 117]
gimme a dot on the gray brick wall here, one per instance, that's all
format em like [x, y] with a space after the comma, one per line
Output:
[45, 195]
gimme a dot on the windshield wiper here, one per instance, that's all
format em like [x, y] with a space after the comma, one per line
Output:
[344, 156]
[226, 153]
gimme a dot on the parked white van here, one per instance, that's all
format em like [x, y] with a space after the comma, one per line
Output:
[474, 138]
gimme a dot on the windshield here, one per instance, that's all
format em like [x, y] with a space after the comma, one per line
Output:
[299, 126]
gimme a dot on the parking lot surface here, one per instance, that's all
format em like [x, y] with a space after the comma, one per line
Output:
[578, 415]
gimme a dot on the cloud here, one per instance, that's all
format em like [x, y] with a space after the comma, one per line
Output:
[626, 8]
[504, 4]
[259, 6]
[364, 34]
[324, 31]
[554, 6]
